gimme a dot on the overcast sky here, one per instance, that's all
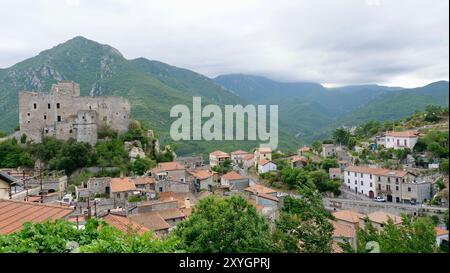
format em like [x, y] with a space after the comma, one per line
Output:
[391, 42]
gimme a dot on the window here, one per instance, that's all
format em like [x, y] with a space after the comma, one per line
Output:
[45, 117]
[371, 184]
[356, 182]
[379, 187]
[28, 114]
[388, 187]
[370, 176]
[48, 105]
[409, 189]
[396, 188]
[379, 178]
[348, 173]
[70, 131]
[396, 180]
[348, 181]
[59, 118]
[356, 175]
[34, 105]
[362, 183]
[361, 175]
[389, 180]
[46, 131]
[58, 105]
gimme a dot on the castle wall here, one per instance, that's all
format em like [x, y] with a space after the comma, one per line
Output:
[57, 113]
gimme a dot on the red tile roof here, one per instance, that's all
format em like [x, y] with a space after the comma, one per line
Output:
[376, 171]
[219, 154]
[200, 174]
[440, 231]
[299, 158]
[382, 217]
[348, 216]
[264, 162]
[249, 156]
[257, 188]
[122, 184]
[143, 180]
[341, 230]
[13, 214]
[124, 224]
[233, 176]
[304, 149]
[239, 152]
[168, 166]
[151, 220]
[402, 134]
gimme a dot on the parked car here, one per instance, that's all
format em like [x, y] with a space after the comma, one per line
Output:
[379, 199]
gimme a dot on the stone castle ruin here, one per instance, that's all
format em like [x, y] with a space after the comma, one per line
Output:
[62, 113]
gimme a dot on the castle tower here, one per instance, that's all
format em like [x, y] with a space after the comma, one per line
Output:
[86, 126]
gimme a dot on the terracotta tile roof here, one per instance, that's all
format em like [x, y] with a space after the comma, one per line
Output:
[168, 166]
[124, 224]
[168, 214]
[376, 171]
[239, 152]
[257, 188]
[297, 158]
[200, 174]
[440, 231]
[341, 230]
[233, 176]
[122, 184]
[264, 150]
[402, 134]
[304, 149]
[268, 196]
[219, 154]
[183, 198]
[334, 170]
[143, 180]
[382, 217]
[348, 216]
[151, 220]
[13, 214]
[265, 161]
[249, 156]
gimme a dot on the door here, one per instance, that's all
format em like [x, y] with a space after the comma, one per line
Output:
[371, 194]
[398, 142]
[389, 198]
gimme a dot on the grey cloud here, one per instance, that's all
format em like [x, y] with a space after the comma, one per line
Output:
[402, 42]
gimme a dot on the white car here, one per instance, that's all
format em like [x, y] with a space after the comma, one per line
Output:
[379, 199]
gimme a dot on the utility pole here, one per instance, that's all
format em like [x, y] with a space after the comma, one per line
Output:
[42, 189]
[95, 208]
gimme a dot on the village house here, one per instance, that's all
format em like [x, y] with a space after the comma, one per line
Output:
[146, 185]
[343, 164]
[190, 162]
[234, 181]
[262, 195]
[166, 208]
[121, 190]
[218, 158]
[201, 179]
[395, 185]
[6, 182]
[248, 161]
[298, 161]
[348, 218]
[173, 171]
[335, 173]
[124, 224]
[343, 234]
[237, 157]
[13, 214]
[152, 221]
[379, 219]
[441, 235]
[328, 150]
[303, 151]
[264, 153]
[400, 140]
[265, 166]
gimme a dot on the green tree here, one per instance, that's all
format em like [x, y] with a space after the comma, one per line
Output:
[317, 146]
[304, 225]
[141, 165]
[229, 225]
[96, 237]
[341, 136]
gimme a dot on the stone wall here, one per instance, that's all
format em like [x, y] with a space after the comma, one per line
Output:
[60, 114]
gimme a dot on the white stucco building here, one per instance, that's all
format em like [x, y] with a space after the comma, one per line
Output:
[401, 140]
[265, 166]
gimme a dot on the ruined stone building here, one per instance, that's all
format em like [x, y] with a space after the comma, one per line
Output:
[62, 113]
